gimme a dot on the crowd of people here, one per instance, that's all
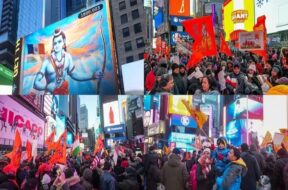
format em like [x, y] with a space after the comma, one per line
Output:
[224, 167]
[243, 73]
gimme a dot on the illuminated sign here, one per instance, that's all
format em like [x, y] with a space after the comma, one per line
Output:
[111, 114]
[182, 120]
[238, 15]
[179, 8]
[115, 129]
[61, 59]
[182, 138]
[177, 107]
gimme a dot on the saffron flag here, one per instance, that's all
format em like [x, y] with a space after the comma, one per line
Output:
[199, 116]
[59, 155]
[36, 48]
[166, 150]
[261, 26]
[50, 141]
[99, 145]
[267, 139]
[15, 155]
[224, 47]
[29, 150]
[76, 146]
[202, 31]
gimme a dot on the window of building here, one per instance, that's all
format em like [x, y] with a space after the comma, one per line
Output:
[133, 2]
[124, 19]
[122, 5]
[137, 28]
[140, 42]
[135, 14]
[125, 32]
[141, 55]
[128, 46]
[129, 59]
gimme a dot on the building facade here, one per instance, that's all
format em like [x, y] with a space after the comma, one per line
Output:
[83, 123]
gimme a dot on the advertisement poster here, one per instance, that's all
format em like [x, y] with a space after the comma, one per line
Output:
[249, 41]
[179, 7]
[236, 132]
[111, 113]
[177, 107]
[185, 121]
[158, 15]
[14, 116]
[177, 20]
[178, 37]
[61, 59]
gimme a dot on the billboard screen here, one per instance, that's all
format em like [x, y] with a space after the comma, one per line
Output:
[177, 107]
[179, 8]
[15, 116]
[236, 132]
[111, 114]
[158, 15]
[185, 121]
[61, 59]
[238, 15]
[60, 126]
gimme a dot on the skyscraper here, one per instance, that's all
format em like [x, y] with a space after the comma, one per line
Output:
[55, 10]
[8, 31]
[128, 17]
[31, 17]
[83, 124]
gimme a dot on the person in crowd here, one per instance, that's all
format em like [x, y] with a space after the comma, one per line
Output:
[235, 82]
[174, 172]
[179, 87]
[183, 75]
[107, 181]
[130, 181]
[253, 175]
[207, 88]
[86, 179]
[259, 157]
[233, 172]
[220, 156]
[165, 86]
[154, 174]
[277, 178]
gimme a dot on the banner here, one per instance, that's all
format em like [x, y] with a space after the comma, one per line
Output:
[185, 121]
[202, 31]
[15, 116]
[224, 47]
[261, 27]
[177, 20]
[251, 41]
[179, 7]
[61, 59]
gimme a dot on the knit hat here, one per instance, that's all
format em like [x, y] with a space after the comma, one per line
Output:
[207, 150]
[252, 67]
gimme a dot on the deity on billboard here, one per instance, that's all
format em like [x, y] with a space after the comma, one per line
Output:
[56, 68]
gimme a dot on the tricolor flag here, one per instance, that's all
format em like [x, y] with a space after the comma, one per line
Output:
[36, 48]
[76, 146]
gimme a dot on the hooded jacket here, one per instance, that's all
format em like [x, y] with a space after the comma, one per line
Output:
[174, 173]
[86, 179]
[107, 181]
[220, 164]
[231, 178]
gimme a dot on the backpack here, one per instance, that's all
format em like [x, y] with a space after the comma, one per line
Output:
[193, 177]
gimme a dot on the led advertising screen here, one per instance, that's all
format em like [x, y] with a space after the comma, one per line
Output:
[158, 15]
[15, 116]
[182, 140]
[178, 37]
[185, 121]
[147, 102]
[238, 15]
[236, 132]
[111, 114]
[62, 59]
[69, 138]
[177, 107]
[179, 8]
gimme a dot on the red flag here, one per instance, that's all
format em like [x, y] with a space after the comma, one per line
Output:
[99, 145]
[29, 150]
[261, 26]
[59, 155]
[202, 31]
[224, 47]
[15, 155]
[50, 141]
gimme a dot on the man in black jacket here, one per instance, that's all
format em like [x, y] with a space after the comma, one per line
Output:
[253, 175]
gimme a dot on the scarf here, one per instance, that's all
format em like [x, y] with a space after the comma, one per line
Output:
[205, 164]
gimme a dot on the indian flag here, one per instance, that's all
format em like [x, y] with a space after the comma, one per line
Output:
[76, 146]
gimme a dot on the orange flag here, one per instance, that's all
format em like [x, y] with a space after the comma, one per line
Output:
[261, 26]
[99, 145]
[267, 139]
[29, 150]
[15, 155]
[59, 155]
[50, 141]
[199, 116]
[224, 47]
[202, 31]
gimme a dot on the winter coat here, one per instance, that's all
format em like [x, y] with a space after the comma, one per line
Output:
[253, 175]
[277, 178]
[260, 159]
[129, 184]
[231, 178]
[220, 164]
[153, 177]
[72, 183]
[210, 92]
[202, 182]
[174, 173]
[9, 185]
[150, 81]
[86, 179]
[107, 181]
[240, 78]
[179, 87]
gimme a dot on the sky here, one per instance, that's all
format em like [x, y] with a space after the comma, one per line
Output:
[91, 104]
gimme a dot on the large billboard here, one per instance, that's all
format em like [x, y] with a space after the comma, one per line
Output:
[238, 15]
[15, 116]
[111, 114]
[177, 107]
[179, 8]
[158, 14]
[73, 56]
